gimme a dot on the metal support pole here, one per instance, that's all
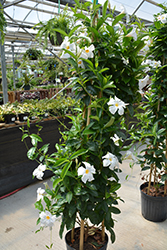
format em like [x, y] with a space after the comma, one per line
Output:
[59, 7]
[14, 83]
[3, 68]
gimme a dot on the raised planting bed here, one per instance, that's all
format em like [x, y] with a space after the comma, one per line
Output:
[15, 168]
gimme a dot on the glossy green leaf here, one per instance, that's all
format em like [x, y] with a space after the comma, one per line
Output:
[56, 182]
[65, 169]
[78, 153]
[69, 196]
[31, 152]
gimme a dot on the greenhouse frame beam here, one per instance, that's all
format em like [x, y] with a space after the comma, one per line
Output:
[36, 9]
[152, 2]
[12, 3]
[138, 7]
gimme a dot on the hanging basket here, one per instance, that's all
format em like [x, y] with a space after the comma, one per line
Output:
[153, 208]
[59, 39]
[92, 243]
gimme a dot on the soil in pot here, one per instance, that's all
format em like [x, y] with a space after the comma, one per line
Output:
[155, 192]
[93, 242]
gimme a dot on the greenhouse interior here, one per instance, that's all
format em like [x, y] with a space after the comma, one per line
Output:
[83, 124]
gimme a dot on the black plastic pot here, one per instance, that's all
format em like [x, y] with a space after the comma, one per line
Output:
[10, 118]
[71, 248]
[153, 208]
[59, 39]
[23, 117]
[26, 87]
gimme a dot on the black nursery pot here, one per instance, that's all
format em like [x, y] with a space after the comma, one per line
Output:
[23, 117]
[71, 248]
[10, 118]
[153, 208]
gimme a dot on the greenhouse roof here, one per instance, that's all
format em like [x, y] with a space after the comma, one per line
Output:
[22, 15]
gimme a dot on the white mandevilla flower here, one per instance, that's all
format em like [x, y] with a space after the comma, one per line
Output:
[88, 51]
[143, 82]
[122, 7]
[110, 161]
[116, 104]
[155, 64]
[40, 192]
[162, 18]
[87, 173]
[47, 219]
[39, 171]
[68, 46]
[116, 139]
[132, 34]
[130, 156]
[80, 60]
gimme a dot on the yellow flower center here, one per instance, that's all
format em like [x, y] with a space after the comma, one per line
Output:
[87, 171]
[47, 217]
[79, 62]
[87, 50]
[110, 159]
[116, 104]
[67, 47]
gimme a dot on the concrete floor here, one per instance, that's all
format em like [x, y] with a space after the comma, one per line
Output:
[18, 220]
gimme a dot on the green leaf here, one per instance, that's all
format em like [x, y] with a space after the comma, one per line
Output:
[57, 181]
[78, 153]
[117, 19]
[24, 136]
[58, 162]
[111, 121]
[39, 206]
[45, 148]
[112, 235]
[88, 131]
[69, 196]
[36, 137]
[65, 169]
[82, 16]
[31, 152]
[61, 32]
[73, 30]
[164, 177]
[47, 201]
[77, 189]
[104, 9]
[115, 210]
[48, 191]
[114, 186]
[109, 85]
[110, 29]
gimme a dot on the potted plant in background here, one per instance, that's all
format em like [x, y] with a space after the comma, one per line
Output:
[9, 112]
[55, 29]
[153, 128]
[33, 54]
[107, 65]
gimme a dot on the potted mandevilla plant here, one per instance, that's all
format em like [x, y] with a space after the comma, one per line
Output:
[106, 66]
[153, 128]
